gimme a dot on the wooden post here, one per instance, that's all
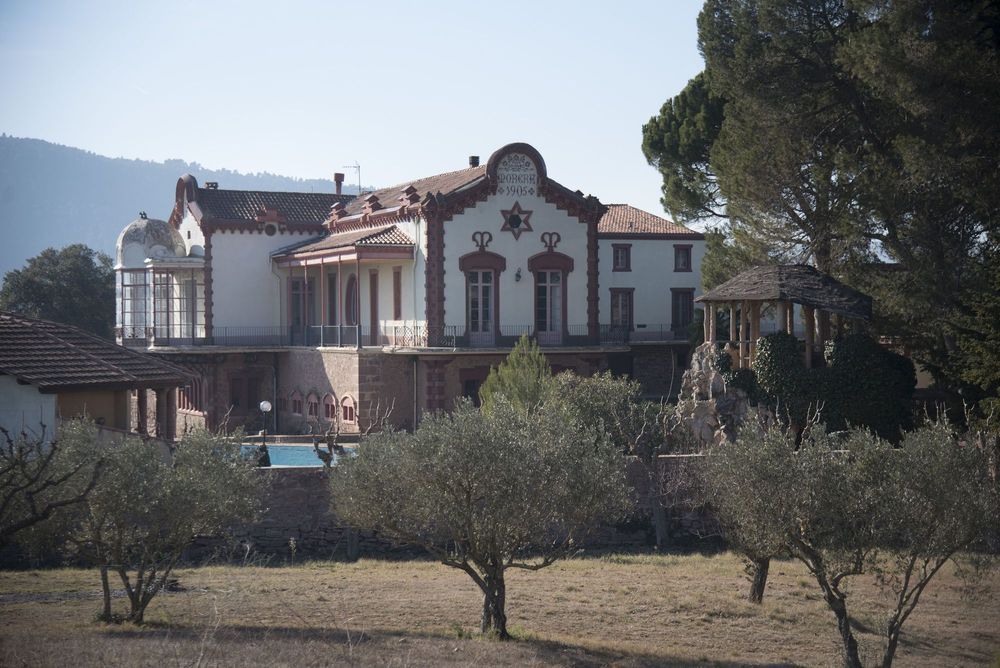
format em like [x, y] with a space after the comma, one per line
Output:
[822, 331]
[790, 323]
[782, 316]
[732, 322]
[754, 329]
[745, 335]
[704, 323]
[838, 321]
[710, 314]
[810, 327]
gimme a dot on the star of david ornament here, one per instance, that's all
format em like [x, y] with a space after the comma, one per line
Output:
[516, 220]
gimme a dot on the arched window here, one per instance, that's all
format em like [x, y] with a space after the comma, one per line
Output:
[330, 407]
[312, 405]
[296, 400]
[347, 410]
[351, 301]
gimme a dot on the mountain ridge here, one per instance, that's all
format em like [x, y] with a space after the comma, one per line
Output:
[56, 195]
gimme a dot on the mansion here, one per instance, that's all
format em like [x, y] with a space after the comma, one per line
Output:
[397, 302]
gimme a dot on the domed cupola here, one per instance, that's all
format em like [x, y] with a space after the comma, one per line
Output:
[147, 238]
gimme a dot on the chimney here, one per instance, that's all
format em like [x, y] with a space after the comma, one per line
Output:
[473, 161]
[338, 178]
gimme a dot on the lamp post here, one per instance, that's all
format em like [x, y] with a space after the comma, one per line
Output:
[264, 458]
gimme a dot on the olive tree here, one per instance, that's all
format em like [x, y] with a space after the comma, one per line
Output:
[149, 504]
[37, 479]
[851, 504]
[485, 492]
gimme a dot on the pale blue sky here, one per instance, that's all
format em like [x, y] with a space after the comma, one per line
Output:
[407, 89]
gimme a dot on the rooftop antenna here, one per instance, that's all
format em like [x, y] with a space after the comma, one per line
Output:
[357, 168]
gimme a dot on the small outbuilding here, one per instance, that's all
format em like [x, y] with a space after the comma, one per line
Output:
[50, 371]
[826, 305]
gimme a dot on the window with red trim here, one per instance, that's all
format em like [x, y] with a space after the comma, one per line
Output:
[621, 257]
[682, 258]
[296, 400]
[312, 405]
[329, 407]
[347, 410]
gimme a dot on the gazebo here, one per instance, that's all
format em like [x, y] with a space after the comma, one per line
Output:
[819, 295]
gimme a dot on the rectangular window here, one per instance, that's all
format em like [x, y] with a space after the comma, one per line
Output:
[303, 304]
[397, 293]
[682, 258]
[621, 307]
[681, 309]
[331, 298]
[621, 257]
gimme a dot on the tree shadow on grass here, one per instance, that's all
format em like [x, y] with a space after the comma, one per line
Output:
[545, 652]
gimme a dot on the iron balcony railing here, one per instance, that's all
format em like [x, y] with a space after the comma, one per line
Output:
[403, 336]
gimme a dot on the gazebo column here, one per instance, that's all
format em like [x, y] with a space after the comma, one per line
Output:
[732, 323]
[822, 326]
[810, 332]
[710, 314]
[822, 330]
[790, 319]
[838, 321]
[704, 322]
[745, 335]
[782, 316]
[141, 412]
[754, 329]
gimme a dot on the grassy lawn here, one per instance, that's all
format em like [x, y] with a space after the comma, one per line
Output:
[619, 610]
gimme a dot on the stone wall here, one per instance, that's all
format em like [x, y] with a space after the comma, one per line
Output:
[298, 512]
[659, 368]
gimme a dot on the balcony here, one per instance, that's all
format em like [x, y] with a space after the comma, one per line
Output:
[398, 336]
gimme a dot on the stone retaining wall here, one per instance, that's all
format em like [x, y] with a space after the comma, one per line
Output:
[298, 522]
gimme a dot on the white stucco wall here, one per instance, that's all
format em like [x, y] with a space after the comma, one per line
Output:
[245, 292]
[24, 408]
[516, 298]
[652, 276]
[193, 237]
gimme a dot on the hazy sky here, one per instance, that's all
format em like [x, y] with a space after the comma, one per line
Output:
[406, 89]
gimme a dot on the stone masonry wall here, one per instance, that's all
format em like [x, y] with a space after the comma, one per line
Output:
[298, 512]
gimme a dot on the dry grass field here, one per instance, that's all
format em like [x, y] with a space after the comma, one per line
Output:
[614, 610]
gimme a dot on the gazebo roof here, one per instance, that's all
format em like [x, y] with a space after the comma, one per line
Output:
[798, 283]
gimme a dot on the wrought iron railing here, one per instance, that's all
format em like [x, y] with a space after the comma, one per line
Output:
[403, 336]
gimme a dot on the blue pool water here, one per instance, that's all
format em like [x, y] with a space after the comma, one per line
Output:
[288, 455]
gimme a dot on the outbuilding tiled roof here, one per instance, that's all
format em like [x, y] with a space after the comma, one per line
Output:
[623, 220]
[52, 356]
[386, 235]
[297, 208]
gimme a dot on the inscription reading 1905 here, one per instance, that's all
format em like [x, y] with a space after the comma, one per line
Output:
[516, 176]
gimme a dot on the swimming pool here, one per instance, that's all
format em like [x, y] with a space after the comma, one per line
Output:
[288, 455]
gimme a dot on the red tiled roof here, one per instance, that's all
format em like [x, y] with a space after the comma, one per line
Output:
[53, 356]
[439, 183]
[622, 220]
[386, 235]
[297, 208]
[391, 236]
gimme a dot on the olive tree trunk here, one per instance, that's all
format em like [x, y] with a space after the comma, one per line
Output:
[494, 605]
[760, 568]
[106, 591]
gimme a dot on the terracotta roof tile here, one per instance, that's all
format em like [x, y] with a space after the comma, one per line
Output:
[297, 208]
[50, 355]
[385, 235]
[439, 183]
[623, 220]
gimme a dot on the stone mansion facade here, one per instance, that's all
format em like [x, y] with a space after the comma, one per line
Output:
[340, 307]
